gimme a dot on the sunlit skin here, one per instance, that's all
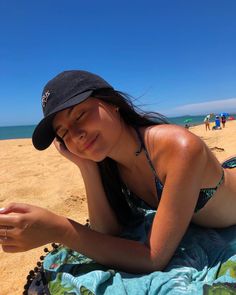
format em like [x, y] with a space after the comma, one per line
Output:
[86, 129]
[94, 130]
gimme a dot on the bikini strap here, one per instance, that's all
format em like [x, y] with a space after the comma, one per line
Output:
[221, 180]
[142, 147]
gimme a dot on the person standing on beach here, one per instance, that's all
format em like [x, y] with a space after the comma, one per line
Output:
[223, 120]
[130, 160]
[207, 122]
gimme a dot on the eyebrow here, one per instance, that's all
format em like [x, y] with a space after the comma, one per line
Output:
[67, 115]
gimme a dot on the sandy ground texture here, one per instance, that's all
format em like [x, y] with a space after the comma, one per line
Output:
[46, 179]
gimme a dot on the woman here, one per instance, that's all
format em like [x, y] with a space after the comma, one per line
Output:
[129, 160]
[223, 120]
[207, 122]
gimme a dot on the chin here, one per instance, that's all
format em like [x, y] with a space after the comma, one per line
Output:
[99, 158]
[95, 157]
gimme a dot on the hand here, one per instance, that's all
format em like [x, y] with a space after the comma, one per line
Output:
[24, 227]
[62, 149]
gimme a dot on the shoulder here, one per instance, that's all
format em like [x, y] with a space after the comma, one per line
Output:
[168, 143]
[171, 137]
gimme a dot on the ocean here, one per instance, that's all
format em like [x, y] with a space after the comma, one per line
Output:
[13, 132]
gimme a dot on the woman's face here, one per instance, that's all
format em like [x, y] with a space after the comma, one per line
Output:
[90, 129]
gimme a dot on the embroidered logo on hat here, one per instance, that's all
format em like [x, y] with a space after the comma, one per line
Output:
[45, 98]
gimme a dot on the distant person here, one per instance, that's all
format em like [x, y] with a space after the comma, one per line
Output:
[207, 122]
[130, 161]
[217, 123]
[223, 120]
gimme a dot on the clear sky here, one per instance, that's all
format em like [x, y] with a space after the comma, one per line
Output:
[177, 56]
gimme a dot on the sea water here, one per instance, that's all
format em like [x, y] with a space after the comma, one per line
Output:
[13, 132]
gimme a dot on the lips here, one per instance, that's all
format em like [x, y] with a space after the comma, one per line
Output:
[90, 143]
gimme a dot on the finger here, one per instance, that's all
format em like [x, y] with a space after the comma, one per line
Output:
[15, 207]
[11, 220]
[58, 144]
[6, 241]
[3, 228]
[2, 210]
[10, 249]
[10, 231]
[7, 231]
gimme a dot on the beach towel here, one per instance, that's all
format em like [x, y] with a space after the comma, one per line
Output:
[204, 263]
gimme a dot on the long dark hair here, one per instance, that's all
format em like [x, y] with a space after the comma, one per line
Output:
[117, 194]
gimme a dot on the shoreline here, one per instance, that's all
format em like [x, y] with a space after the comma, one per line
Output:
[26, 131]
[30, 136]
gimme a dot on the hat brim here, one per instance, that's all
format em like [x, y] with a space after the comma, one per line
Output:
[44, 133]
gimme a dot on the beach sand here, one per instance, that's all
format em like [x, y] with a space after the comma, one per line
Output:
[46, 179]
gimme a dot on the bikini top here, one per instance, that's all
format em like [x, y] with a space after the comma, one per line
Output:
[205, 193]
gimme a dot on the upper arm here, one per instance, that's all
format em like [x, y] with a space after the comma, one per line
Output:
[185, 164]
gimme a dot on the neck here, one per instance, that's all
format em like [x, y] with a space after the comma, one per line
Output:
[128, 148]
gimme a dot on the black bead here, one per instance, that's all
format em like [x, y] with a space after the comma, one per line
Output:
[31, 273]
[36, 269]
[46, 250]
[39, 263]
[41, 257]
[55, 246]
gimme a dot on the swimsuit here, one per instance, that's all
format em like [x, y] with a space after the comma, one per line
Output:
[205, 193]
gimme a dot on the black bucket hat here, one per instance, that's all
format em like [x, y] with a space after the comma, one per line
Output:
[63, 91]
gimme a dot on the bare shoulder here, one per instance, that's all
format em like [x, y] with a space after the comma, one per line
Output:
[167, 143]
[171, 137]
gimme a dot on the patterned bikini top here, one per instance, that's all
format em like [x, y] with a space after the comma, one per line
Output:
[205, 193]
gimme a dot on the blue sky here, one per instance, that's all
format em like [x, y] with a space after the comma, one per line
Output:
[177, 56]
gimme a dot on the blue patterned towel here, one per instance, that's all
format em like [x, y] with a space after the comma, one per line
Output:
[204, 263]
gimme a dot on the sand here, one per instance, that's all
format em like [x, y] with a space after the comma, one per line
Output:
[48, 180]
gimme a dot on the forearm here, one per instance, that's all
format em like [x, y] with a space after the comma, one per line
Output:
[101, 215]
[115, 252]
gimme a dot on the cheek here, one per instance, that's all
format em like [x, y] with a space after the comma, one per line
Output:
[110, 121]
[71, 147]
[111, 135]
[96, 155]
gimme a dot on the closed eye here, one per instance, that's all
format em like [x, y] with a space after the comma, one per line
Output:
[64, 134]
[61, 133]
[80, 116]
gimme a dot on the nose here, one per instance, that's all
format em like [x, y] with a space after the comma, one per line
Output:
[77, 134]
